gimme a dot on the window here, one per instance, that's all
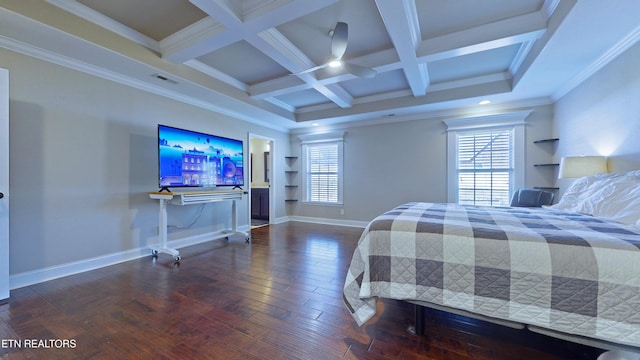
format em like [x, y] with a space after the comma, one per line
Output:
[485, 158]
[322, 167]
[484, 167]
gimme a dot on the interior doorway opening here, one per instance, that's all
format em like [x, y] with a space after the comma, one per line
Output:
[261, 202]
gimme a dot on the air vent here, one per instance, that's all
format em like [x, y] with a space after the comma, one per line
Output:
[164, 78]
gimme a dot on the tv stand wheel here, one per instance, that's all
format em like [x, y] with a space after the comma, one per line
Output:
[226, 238]
[154, 252]
[176, 258]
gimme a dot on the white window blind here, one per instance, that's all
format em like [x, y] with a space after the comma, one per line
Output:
[485, 167]
[323, 163]
[485, 158]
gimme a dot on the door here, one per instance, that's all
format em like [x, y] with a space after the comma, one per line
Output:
[264, 176]
[4, 184]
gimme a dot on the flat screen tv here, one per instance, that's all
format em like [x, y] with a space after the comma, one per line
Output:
[192, 159]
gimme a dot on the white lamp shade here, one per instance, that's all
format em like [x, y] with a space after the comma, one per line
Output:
[579, 166]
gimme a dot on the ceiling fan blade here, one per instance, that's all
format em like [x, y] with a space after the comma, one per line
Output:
[339, 40]
[311, 69]
[360, 71]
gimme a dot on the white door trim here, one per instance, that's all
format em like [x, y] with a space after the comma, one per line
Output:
[4, 184]
[272, 180]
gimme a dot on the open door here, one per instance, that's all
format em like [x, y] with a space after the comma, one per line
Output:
[262, 179]
[4, 185]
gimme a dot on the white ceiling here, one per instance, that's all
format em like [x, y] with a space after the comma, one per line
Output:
[432, 57]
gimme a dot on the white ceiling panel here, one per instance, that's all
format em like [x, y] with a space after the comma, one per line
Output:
[157, 19]
[303, 98]
[476, 64]
[386, 82]
[439, 17]
[244, 63]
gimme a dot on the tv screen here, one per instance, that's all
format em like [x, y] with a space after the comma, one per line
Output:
[189, 158]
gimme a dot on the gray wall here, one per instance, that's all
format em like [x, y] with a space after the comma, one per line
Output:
[83, 156]
[389, 164]
[602, 115]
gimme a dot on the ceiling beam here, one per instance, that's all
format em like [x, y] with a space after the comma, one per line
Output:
[431, 100]
[186, 46]
[229, 23]
[275, 45]
[260, 32]
[515, 30]
[42, 41]
[499, 77]
[526, 29]
[554, 12]
[401, 21]
[382, 61]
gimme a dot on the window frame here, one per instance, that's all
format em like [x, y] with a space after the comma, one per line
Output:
[322, 140]
[455, 127]
[485, 179]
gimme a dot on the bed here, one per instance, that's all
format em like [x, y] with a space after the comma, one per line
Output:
[570, 270]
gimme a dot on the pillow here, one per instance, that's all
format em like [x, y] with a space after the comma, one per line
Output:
[611, 196]
[572, 200]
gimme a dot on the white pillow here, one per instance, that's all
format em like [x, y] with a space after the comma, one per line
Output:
[577, 193]
[611, 196]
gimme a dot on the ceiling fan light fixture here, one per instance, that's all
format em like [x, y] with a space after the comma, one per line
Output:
[339, 37]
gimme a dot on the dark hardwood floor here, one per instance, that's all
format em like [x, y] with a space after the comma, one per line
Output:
[277, 298]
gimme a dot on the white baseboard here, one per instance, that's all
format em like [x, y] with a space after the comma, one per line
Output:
[280, 220]
[54, 272]
[337, 222]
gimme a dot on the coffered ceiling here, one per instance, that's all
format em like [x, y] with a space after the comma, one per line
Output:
[247, 58]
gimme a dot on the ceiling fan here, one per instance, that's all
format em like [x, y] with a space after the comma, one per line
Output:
[339, 36]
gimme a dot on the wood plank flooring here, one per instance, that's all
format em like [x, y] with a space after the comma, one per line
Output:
[279, 297]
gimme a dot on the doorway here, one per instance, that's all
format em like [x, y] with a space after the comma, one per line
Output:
[4, 185]
[261, 151]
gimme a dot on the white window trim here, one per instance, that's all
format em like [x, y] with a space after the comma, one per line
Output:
[333, 137]
[514, 119]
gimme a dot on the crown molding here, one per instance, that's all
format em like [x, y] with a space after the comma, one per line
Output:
[195, 33]
[616, 50]
[48, 56]
[457, 112]
[106, 22]
[214, 73]
[486, 121]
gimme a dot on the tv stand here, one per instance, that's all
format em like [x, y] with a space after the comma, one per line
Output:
[188, 198]
[164, 188]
